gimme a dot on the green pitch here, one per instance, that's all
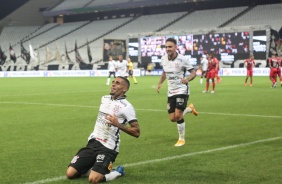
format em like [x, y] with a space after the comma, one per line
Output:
[237, 137]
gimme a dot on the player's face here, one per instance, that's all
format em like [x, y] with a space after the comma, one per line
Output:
[170, 48]
[120, 57]
[118, 88]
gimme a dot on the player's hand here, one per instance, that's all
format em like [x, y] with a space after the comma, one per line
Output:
[184, 81]
[112, 120]
[158, 88]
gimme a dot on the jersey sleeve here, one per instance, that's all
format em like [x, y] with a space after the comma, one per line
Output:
[187, 64]
[130, 114]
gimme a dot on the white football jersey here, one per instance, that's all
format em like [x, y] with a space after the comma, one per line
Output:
[175, 70]
[204, 63]
[121, 68]
[105, 133]
[112, 66]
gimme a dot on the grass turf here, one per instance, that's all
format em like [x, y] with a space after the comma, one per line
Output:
[44, 121]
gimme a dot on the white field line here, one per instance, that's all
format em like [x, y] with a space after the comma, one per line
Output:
[152, 110]
[52, 93]
[171, 158]
[59, 93]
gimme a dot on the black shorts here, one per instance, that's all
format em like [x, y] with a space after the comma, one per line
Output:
[204, 73]
[177, 102]
[112, 73]
[95, 156]
[130, 72]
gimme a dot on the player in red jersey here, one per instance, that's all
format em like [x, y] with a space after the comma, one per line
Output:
[279, 70]
[212, 67]
[273, 65]
[249, 65]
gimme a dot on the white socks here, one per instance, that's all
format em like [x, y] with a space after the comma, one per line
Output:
[112, 175]
[109, 177]
[201, 81]
[181, 131]
[188, 109]
[108, 81]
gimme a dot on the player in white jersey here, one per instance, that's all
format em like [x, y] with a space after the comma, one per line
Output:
[204, 67]
[174, 68]
[112, 69]
[96, 159]
[121, 65]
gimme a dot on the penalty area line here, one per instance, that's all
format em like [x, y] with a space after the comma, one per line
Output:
[171, 158]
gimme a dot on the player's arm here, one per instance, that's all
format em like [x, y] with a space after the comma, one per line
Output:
[245, 64]
[162, 79]
[216, 65]
[132, 130]
[191, 76]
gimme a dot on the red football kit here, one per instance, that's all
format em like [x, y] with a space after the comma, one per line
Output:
[249, 65]
[211, 68]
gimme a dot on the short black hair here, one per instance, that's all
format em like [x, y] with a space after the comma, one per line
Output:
[171, 40]
[126, 81]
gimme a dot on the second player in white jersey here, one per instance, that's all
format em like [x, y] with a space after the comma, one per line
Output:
[121, 65]
[204, 64]
[112, 66]
[175, 70]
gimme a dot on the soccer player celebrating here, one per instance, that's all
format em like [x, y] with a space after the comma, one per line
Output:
[273, 65]
[212, 67]
[115, 115]
[249, 65]
[174, 67]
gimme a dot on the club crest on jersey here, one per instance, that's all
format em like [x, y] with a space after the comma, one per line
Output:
[74, 159]
[116, 108]
[177, 65]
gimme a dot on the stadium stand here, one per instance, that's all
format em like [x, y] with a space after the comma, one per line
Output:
[56, 35]
[204, 19]
[261, 15]
[71, 4]
[105, 2]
